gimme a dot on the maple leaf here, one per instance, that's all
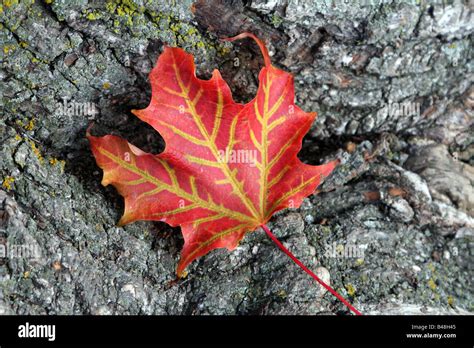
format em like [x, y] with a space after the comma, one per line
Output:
[227, 167]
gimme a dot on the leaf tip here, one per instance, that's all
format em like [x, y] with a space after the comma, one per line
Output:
[123, 221]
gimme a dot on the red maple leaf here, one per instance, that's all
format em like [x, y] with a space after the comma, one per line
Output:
[227, 167]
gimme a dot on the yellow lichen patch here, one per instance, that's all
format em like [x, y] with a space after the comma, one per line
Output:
[26, 274]
[223, 50]
[9, 3]
[125, 9]
[359, 262]
[36, 151]
[49, 1]
[350, 289]
[120, 11]
[8, 48]
[110, 6]
[92, 16]
[451, 301]
[192, 31]
[106, 85]
[18, 137]
[23, 44]
[7, 182]
[176, 27]
[432, 284]
[30, 125]
[55, 162]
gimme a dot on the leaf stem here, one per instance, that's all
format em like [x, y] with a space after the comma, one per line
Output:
[261, 45]
[307, 270]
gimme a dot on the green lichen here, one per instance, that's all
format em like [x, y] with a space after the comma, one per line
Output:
[92, 16]
[276, 20]
[326, 229]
